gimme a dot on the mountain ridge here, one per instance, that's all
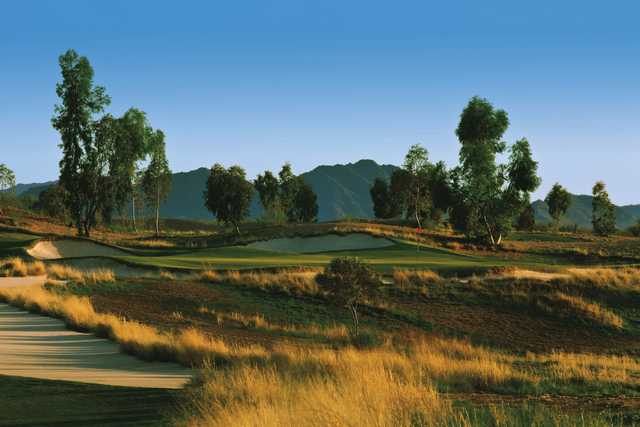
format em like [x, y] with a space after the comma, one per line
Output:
[343, 191]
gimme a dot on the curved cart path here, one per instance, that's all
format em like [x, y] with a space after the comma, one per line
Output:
[37, 346]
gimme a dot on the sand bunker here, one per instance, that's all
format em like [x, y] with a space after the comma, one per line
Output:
[326, 243]
[41, 347]
[57, 249]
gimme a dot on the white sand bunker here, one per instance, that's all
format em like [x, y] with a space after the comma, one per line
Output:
[57, 249]
[326, 243]
[41, 347]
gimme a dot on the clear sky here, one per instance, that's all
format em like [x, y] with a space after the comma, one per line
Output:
[261, 82]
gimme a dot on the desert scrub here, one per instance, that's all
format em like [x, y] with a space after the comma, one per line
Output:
[17, 267]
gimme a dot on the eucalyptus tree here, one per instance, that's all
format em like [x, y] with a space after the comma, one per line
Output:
[603, 211]
[417, 166]
[156, 179]
[558, 202]
[82, 158]
[487, 194]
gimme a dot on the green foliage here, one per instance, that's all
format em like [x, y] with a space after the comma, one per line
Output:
[381, 198]
[417, 166]
[7, 178]
[267, 186]
[99, 155]
[305, 204]
[287, 195]
[349, 282]
[487, 196]
[558, 200]
[635, 229]
[156, 180]
[604, 213]
[228, 194]
[51, 201]
[526, 220]
[82, 159]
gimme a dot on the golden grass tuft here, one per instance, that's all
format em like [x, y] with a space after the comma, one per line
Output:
[577, 306]
[64, 272]
[299, 281]
[17, 267]
[408, 278]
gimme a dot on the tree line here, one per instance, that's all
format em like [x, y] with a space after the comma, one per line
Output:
[285, 198]
[482, 198]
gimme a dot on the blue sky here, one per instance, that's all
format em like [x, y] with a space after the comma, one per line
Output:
[258, 83]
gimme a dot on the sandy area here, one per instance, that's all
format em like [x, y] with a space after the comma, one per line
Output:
[57, 249]
[329, 242]
[37, 346]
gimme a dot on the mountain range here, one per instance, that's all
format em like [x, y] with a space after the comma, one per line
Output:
[343, 191]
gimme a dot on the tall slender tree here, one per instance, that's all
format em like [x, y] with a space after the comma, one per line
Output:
[82, 159]
[156, 180]
[417, 165]
[604, 212]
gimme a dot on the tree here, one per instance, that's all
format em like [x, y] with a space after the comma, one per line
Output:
[488, 195]
[305, 203]
[7, 178]
[228, 194]
[51, 201]
[399, 196]
[349, 282]
[558, 200]
[74, 118]
[416, 164]
[439, 190]
[603, 211]
[268, 187]
[526, 220]
[7, 181]
[156, 180]
[381, 198]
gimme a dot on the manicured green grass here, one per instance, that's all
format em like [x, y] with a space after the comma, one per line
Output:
[35, 402]
[401, 255]
[14, 243]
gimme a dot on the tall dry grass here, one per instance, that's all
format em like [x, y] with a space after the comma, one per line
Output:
[17, 267]
[249, 385]
[298, 281]
[573, 305]
[91, 277]
[412, 278]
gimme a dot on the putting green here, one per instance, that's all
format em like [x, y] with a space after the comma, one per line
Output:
[399, 255]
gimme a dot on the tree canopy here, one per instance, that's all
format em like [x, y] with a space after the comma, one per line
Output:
[558, 201]
[604, 213]
[228, 194]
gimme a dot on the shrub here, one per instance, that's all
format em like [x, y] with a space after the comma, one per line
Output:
[349, 282]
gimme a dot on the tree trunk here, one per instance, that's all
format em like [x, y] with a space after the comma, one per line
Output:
[158, 212]
[237, 228]
[354, 315]
[133, 210]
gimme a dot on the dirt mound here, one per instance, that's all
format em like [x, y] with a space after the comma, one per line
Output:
[326, 243]
[57, 249]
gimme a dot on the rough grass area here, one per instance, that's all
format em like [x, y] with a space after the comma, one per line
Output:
[34, 402]
[17, 267]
